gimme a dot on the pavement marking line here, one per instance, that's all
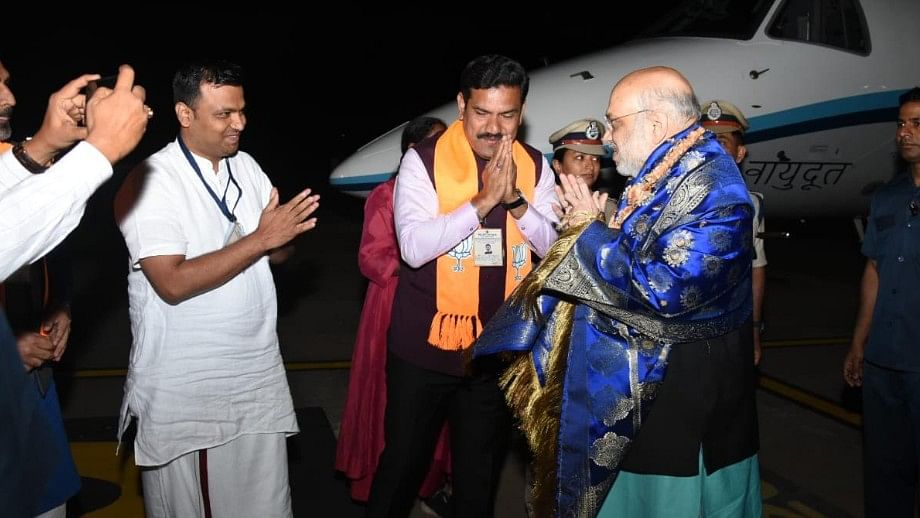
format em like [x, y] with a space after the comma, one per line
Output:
[291, 366]
[805, 342]
[98, 460]
[770, 384]
[317, 366]
[804, 510]
[809, 400]
[339, 365]
[100, 373]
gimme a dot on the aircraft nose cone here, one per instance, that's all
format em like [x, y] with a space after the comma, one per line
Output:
[370, 166]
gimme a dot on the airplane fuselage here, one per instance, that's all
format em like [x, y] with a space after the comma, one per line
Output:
[822, 116]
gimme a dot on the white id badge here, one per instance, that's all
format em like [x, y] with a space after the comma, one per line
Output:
[487, 247]
[234, 234]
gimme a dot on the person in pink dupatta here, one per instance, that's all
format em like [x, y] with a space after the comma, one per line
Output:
[361, 432]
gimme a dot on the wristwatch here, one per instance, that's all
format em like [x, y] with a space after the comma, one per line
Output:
[759, 326]
[516, 203]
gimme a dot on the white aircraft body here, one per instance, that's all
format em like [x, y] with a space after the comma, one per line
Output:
[818, 80]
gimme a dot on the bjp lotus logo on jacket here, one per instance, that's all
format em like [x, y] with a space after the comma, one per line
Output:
[461, 252]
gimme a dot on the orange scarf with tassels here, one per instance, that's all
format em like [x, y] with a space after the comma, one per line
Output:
[456, 323]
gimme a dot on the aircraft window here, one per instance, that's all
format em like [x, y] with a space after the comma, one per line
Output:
[836, 23]
[736, 19]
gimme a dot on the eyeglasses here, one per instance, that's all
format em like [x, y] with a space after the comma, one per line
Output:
[914, 207]
[609, 122]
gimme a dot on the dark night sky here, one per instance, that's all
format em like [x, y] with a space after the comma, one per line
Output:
[312, 99]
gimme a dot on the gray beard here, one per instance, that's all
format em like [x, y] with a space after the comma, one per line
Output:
[627, 174]
[5, 131]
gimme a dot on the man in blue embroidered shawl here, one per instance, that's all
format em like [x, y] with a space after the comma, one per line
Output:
[639, 330]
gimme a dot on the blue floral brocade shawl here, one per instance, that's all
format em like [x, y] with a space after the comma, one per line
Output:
[677, 271]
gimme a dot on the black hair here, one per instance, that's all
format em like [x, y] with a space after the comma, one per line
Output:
[188, 79]
[559, 154]
[416, 130]
[491, 71]
[910, 96]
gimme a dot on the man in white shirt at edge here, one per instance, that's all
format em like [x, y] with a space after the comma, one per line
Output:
[206, 381]
[37, 211]
[472, 185]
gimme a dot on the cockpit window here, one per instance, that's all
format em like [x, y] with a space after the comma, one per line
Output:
[736, 19]
[836, 23]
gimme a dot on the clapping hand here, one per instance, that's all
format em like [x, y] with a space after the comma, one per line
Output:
[578, 203]
[281, 223]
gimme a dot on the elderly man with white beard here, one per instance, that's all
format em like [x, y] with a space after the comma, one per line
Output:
[637, 395]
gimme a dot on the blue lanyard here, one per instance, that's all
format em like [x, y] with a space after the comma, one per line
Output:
[221, 202]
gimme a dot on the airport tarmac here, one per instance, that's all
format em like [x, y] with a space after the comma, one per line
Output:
[809, 423]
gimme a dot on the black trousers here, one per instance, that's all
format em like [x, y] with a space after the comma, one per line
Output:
[707, 400]
[891, 441]
[418, 402]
